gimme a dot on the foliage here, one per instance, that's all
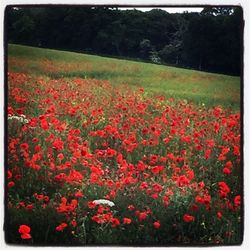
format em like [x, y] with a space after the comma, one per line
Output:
[209, 41]
[145, 48]
[154, 57]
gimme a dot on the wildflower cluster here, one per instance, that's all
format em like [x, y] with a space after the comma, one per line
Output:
[21, 118]
[97, 164]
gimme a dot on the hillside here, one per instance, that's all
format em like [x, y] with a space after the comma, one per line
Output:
[198, 87]
[91, 154]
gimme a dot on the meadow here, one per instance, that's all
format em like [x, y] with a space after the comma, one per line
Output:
[196, 86]
[106, 151]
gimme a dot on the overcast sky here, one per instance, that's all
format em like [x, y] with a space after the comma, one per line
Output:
[170, 10]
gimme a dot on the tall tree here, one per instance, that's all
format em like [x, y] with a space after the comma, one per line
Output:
[208, 41]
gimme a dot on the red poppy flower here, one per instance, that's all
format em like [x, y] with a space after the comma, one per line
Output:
[58, 144]
[9, 174]
[74, 223]
[61, 227]
[157, 187]
[207, 154]
[24, 230]
[157, 169]
[237, 200]
[44, 124]
[78, 194]
[115, 222]
[157, 224]
[226, 170]
[91, 204]
[127, 221]
[25, 236]
[131, 207]
[236, 151]
[188, 218]
[30, 206]
[60, 156]
[224, 189]
[142, 215]
[143, 185]
[24, 146]
[219, 215]
[11, 184]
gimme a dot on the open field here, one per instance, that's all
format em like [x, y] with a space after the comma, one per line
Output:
[199, 87]
[105, 151]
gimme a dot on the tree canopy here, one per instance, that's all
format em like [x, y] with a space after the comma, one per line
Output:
[209, 41]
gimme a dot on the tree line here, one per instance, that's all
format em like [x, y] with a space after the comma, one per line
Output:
[208, 41]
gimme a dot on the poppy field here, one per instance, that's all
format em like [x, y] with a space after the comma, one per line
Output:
[93, 163]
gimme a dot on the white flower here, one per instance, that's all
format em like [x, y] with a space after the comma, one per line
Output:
[18, 118]
[104, 202]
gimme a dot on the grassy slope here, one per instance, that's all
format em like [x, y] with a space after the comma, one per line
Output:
[199, 87]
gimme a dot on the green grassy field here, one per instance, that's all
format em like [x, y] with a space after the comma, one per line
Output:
[96, 162]
[198, 87]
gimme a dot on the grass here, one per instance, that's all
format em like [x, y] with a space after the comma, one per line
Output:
[171, 167]
[198, 87]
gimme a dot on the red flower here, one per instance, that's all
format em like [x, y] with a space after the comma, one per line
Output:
[222, 157]
[30, 206]
[157, 187]
[110, 152]
[141, 166]
[61, 227]
[25, 236]
[74, 176]
[190, 174]
[9, 174]
[74, 223]
[24, 146]
[131, 207]
[11, 184]
[194, 207]
[207, 154]
[236, 151]
[58, 144]
[188, 218]
[157, 169]
[127, 221]
[182, 181]
[44, 124]
[60, 156]
[224, 189]
[10, 111]
[229, 164]
[165, 200]
[142, 215]
[157, 224]
[237, 200]
[46, 198]
[115, 222]
[78, 194]
[143, 185]
[210, 143]
[24, 230]
[91, 204]
[225, 150]
[226, 170]
[219, 215]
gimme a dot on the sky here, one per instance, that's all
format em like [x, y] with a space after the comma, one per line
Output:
[169, 9]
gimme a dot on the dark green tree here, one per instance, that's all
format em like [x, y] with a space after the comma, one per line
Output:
[208, 41]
